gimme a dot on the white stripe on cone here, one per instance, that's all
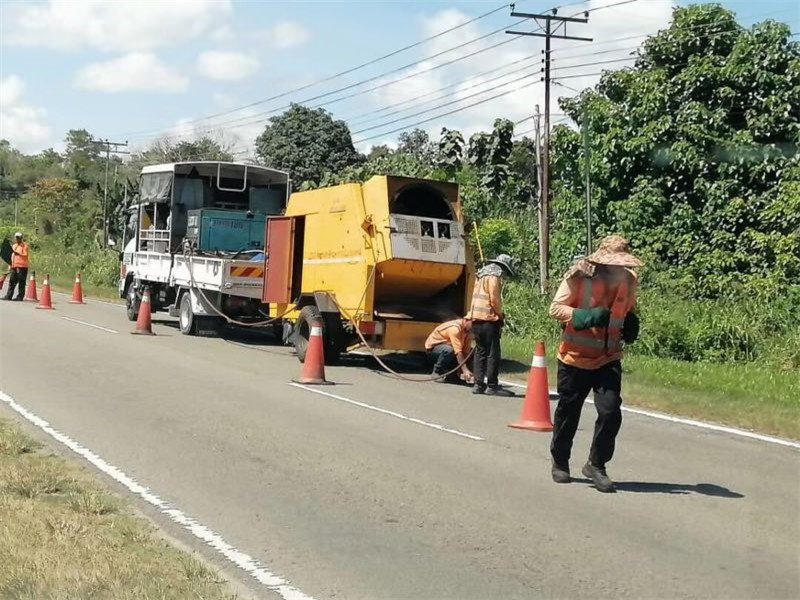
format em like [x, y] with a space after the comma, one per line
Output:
[539, 361]
[316, 331]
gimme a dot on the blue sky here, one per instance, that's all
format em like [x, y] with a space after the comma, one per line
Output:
[138, 70]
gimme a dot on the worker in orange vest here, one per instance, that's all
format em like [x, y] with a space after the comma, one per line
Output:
[19, 268]
[486, 313]
[448, 349]
[594, 304]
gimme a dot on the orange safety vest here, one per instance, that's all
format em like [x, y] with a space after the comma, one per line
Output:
[20, 261]
[596, 342]
[482, 308]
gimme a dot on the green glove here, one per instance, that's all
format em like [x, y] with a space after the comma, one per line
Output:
[585, 318]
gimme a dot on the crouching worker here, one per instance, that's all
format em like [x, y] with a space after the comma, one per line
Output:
[448, 347]
[594, 304]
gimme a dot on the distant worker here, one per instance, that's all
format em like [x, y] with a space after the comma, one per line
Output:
[448, 349]
[20, 253]
[487, 317]
[594, 304]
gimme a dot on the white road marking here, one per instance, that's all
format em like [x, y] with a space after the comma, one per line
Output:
[391, 413]
[94, 300]
[693, 423]
[240, 559]
[90, 325]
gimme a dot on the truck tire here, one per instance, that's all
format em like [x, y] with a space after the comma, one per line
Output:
[186, 317]
[302, 331]
[131, 302]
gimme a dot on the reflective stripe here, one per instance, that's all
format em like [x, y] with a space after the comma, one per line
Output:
[616, 323]
[588, 342]
[587, 293]
[316, 331]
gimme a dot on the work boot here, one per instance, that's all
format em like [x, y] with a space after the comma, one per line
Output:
[496, 390]
[478, 389]
[561, 473]
[599, 478]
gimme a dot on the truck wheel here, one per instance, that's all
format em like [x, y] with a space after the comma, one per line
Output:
[186, 318]
[131, 302]
[302, 332]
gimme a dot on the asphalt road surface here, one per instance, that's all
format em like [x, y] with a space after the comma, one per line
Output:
[389, 489]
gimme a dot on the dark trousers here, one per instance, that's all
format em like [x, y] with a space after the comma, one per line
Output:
[443, 358]
[17, 278]
[574, 385]
[487, 351]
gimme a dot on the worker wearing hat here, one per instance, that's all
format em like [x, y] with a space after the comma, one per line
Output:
[486, 313]
[19, 268]
[594, 304]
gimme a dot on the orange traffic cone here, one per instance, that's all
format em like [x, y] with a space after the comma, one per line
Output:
[77, 291]
[30, 293]
[314, 364]
[144, 325]
[536, 408]
[46, 302]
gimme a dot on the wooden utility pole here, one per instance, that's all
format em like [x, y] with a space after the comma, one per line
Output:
[117, 146]
[549, 26]
[587, 177]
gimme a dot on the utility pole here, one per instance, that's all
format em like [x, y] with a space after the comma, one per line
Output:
[550, 24]
[117, 146]
[587, 178]
[540, 204]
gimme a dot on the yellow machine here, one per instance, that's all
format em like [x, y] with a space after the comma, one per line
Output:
[388, 256]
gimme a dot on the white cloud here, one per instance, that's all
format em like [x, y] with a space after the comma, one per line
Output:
[621, 21]
[21, 123]
[134, 72]
[226, 66]
[112, 25]
[287, 34]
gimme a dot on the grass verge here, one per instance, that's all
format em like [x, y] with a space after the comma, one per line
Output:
[743, 395]
[62, 536]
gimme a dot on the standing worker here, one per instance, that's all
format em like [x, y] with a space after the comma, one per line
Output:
[20, 252]
[446, 346]
[594, 304]
[486, 313]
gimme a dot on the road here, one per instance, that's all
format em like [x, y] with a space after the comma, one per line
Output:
[345, 501]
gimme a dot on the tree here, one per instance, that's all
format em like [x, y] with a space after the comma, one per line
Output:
[308, 143]
[694, 154]
[451, 151]
[417, 143]
[379, 151]
[165, 151]
[81, 157]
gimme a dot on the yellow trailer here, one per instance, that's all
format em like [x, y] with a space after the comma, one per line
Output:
[388, 257]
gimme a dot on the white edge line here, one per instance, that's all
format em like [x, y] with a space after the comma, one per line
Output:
[469, 436]
[210, 538]
[693, 423]
[93, 300]
[90, 325]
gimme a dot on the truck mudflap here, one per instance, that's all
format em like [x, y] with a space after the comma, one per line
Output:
[408, 336]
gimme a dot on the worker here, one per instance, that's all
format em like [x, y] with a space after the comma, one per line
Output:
[447, 347]
[486, 313]
[20, 253]
[594, 304]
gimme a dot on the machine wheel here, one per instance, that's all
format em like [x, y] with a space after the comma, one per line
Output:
[186, 317]
[131, 302]
[302, 333]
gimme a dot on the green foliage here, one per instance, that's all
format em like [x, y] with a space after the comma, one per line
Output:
[694, 156]
[308, 143]
[165, 151]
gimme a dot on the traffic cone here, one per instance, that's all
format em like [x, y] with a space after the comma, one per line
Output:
[77, 291]
[314, 364]
[46, 302]
[144, 325]
[536, 407]
[30, 293]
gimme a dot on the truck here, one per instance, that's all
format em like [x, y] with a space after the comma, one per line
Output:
[379, 263]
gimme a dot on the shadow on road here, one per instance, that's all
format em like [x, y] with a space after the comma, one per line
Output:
[651, 487]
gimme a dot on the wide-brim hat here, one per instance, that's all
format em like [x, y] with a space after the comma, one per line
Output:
[505, 261]
[614, 251]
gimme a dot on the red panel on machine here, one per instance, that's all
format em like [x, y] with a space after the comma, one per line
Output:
[280, 251]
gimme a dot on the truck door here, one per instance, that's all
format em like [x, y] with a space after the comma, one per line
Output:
[284, 272]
